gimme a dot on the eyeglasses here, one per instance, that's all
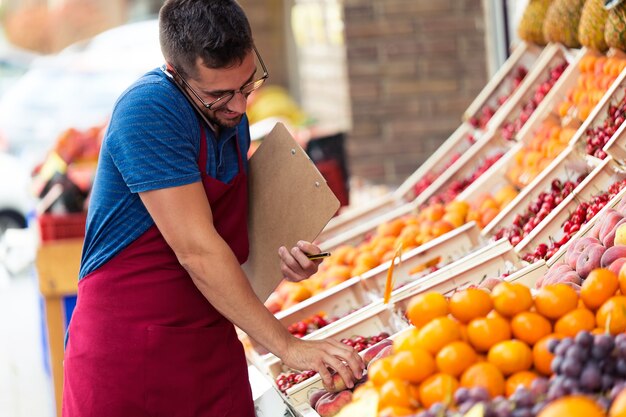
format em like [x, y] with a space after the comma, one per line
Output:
[223, 100]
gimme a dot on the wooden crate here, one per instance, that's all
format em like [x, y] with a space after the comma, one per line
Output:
[569, 165]
[551, 56]
[529, 274]
[492, 261]
[360, 292]
[371, 321]
[598, 180]
[556, 95]
[501, 83]
[440, 162]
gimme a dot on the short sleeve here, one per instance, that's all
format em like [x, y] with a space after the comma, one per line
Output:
[153, 138]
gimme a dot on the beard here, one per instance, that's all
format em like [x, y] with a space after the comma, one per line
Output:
[223, 122]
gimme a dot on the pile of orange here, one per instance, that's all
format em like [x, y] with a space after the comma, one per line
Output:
[407, 232]
[487, 206]
[547, 143]
[597, 73]
[495, 340]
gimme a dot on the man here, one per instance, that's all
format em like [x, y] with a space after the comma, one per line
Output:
[160, 281]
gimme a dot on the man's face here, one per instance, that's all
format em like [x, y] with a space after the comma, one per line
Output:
[212, 83]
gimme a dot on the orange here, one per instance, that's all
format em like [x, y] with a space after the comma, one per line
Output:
[469, 304]
[618, 408]
[379, 371]
[510, 298]
[395, 392]
[407, 340]
[523, 378]
[574, 321]
[455, 358]
[542, 358]
[529, 327]
[554, 301]
[600, 285]
[484, 332]
[572, 406]
[424, 307]
[438, 333]
[612, 315]
[511, 356]
[486, 375]
[438, 388]
[413, 366]
[391, 228]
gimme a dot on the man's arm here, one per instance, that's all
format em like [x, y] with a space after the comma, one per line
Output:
[183, 216]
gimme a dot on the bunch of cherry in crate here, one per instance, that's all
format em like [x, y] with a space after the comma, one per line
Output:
[309, 325]
[537, 210]
[597, 137]
[510, 128]
[584, 212]
[457, 186]
[481, 119]
[286, 380]
[431, 176]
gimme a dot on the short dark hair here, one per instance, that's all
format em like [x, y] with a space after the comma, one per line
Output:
[217, 31]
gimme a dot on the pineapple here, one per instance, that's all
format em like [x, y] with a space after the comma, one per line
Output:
[530, 27]
[561, 22]
[591, 26]
[615, 29]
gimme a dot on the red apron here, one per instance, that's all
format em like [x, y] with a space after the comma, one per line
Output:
[145, 342]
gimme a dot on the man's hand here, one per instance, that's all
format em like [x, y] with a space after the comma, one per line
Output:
[320, 355]
[295, 265]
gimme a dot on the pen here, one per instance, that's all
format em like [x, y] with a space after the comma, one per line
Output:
[318, 255]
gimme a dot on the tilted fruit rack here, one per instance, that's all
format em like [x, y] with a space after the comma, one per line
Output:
[526, 55]
[550, 228]
[569, 165]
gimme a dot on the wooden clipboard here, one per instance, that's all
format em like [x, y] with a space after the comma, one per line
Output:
[288, 201]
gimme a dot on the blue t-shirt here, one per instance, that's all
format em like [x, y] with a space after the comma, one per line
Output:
[152, 142]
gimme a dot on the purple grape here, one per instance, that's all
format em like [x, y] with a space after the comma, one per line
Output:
[423, 413]
[502, 409]
[466, 406]
[522, 397]
[603, 402]
[537, 408]
[571, 367]
[556, 392]
[620, 347]
[604, 341]
[522, 412]
[461, 395]
[437, 409]
[607, 382]
[557, 361]
[552, 345]
[591, 377]
[584, 339]
[479, 394]
[620, 367]
[539, 386]
[577, 353]
[563, 346]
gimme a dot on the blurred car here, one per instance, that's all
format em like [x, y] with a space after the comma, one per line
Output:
[75, 88]
[15, 198]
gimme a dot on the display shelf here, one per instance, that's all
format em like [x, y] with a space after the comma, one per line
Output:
[359, 292]
[569, 165]
[494, 178]
[616, 146]
[525, 54]
[440, 162]
[353, 217]
[529, 274]
[558, 93]
[372, 321]
[600, 114]
[552, 56]
[549, 228]
[491, 261]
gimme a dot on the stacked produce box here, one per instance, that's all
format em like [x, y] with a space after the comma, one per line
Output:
[492, 281]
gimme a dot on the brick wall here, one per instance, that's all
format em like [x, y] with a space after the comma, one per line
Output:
[413, 68]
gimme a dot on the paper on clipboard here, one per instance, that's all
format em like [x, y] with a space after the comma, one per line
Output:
[288, 201]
